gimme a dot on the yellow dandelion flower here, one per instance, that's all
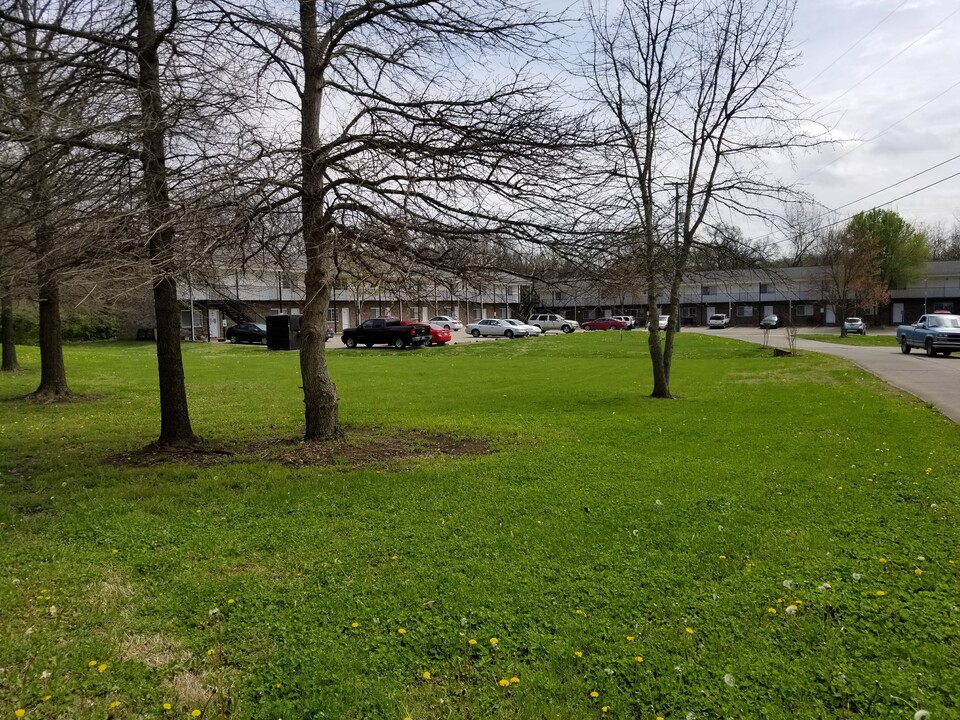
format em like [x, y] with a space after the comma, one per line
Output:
[426, 674]
[629, 638]
[594, 694]
[354, 624]
[210, 651]
[472, 641]
[114, 551]
[92, 663]
[917, 571]
[167, 706]
[578, 654]
[195, 713]
[659, 717]
[605, 708]
[689, 630]
[503, 682]
[278, 686]
[401, 631]
[115, 704]
[883, 560]
[515, 680]
[494, 641]
[394, 557]
[880, 593]
[723, 557]
[578, 612]
[231, 601]
[46, 697]
[928, 470]
[772, 610]
[639, 658]
[19, 712]
[101, 667]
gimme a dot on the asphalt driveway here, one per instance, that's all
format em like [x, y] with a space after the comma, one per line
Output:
[935, 380]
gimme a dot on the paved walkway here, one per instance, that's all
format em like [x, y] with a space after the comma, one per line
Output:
[935, 380]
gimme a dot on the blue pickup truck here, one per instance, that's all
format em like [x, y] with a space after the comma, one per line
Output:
[934, 333]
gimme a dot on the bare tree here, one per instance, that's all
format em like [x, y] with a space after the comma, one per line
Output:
[851, 271]
[416, 140]
[696, 93]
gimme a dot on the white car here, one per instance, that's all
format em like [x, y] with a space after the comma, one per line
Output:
[532, 330]
[664, 320]
[496, 328]
[718, 321]
[445, 322]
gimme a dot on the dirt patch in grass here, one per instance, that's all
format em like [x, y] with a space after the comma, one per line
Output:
[152, 650]
[357, 448]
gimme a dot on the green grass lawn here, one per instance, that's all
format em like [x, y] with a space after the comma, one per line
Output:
[781, 542]
[862, 340]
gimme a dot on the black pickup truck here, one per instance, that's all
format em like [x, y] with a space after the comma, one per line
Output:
[386, 331]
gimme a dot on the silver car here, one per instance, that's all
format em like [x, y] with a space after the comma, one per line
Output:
[532, 330]
[496, 328]
[552, 321]
[855, 325]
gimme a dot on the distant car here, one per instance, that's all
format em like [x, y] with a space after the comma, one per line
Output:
[663, 322]
[247, 332]
[552, 321]
[771, 321]
[630, 320]
[607, 323]
[532, 330]
[446, 322]
[496, 328]
[855, 325]
[718, 321]
[438, 335]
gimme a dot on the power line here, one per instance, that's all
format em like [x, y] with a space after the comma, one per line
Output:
[849, 49]
[899, 182]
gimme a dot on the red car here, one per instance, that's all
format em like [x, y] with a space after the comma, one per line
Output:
[605, 324]
[438, 336]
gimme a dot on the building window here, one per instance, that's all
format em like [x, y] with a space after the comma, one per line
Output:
[767, 288]
[688, 312]
[276, 311]
[331, 314]
[185, 318]
[374, 312]
[744, 311]
[556, 296]
[708, 290]
[803, 310]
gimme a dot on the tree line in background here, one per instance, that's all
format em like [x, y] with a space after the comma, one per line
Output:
[144, 141]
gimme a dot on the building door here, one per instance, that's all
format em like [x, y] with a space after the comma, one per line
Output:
[213, 325]
[897, 314]
[831, 315]
[344, 317]
[767, 310]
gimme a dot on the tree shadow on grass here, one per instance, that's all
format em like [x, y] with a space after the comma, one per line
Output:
[357, 448]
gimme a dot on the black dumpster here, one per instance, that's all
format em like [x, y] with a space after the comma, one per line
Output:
[283, 332]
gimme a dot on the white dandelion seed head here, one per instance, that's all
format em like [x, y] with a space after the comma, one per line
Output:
[608, 671]
[659, 502]
[788, 584]
[691, 716]
[720, 528]
[920, 558]
[636, 533]
[213, 611]
[824, 587]
[729, 680]
[45, 674]
[464, 622]
[16, 581]
[857, 576]
[921, 715]
[791, 610]
[678, 668]
[933, 505]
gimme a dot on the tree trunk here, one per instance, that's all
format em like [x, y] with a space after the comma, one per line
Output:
[53, 374]
[10, 363]
[661, 379]
[319, 391]
[175, 429]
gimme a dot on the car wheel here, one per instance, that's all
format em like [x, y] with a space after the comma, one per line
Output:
[928, 347]
[904, 348]
[508, 334]
[399, 343]
[429, 342]
[263, 341]
[567, 329]
[234, 339]
[475, 333]
[351, 343]
[446, 327]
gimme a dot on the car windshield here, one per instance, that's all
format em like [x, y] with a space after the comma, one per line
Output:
[946, 321]
[770, 319]
[853, 321]
[716, 317]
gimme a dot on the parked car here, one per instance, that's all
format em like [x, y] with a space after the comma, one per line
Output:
[552, 321]
[532, 330]
[607, 323]
[663, 322]
[386, 331]
[771, 321]
[446, 322]
[495, 327]
[718, 320]
[630, 320]
[247, 332]
[438, 335]
[855, 325]
[934, 333]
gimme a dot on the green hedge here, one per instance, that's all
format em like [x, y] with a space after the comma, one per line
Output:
[74, 326]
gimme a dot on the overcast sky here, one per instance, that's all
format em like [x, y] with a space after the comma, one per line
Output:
[893, 96]
[884, 75]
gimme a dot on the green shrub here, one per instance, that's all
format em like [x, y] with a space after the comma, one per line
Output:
[74, 326]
